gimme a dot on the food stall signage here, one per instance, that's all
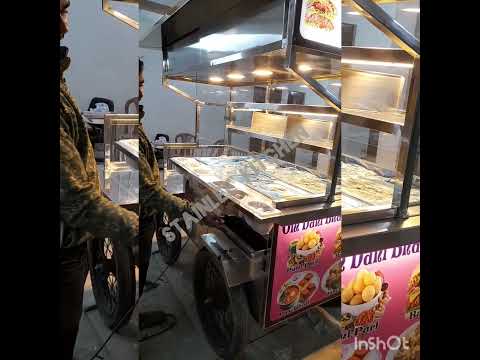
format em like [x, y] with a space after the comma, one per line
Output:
[381, 301]
[321, 22]
[305, 268]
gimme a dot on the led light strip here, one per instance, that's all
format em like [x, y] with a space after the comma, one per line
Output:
[376, 63]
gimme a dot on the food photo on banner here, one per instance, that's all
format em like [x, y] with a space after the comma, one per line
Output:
[380, 310]
[305, 267]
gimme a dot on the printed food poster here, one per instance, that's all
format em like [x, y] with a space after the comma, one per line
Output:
[305, 268]
[322, 22]
[381, 305]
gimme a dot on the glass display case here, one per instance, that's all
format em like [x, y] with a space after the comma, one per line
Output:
[120, 174]
[261, 77]
[380, 108]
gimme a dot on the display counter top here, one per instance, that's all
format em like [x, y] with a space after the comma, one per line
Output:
[274, 192]
[365, 187]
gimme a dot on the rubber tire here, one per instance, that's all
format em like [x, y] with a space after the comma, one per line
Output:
[170, 251]
[238, 303]
[125, 275]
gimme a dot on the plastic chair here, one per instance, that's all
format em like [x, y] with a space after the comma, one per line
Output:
[97, 100]
[165, 136]
[184, 138]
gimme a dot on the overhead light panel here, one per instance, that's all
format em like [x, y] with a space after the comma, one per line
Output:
[304, 68]
[216, 79]
[236, 76]
[376, 63]
[262, 72]
[412, 10]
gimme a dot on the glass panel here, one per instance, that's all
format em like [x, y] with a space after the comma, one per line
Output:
[261, 29]
[120, 175]
[415, 191]
[124, 10]
[369, 162]
[363, 33]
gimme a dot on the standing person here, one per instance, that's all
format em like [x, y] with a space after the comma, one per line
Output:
[84, 212]
[154, 199]
[154, 202]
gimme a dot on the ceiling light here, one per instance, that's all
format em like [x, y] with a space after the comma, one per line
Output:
[247, 110]
[304, 68]
[412, 10]
[376, 63]
[303, 86]
[281, 88]
[336, 84]
[216, 79]
[308, 113]
[262, 72]
[235, 76]
[353, 13]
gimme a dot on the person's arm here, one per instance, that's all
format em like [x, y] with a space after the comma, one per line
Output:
[153, 198]
[82, 206]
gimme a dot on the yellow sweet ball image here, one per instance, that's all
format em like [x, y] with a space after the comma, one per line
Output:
[361, 273]
[347, 295]
[369, 279]
[364, 287]
[378, 284]
[356, 300]
[368, 293]
[358, 285]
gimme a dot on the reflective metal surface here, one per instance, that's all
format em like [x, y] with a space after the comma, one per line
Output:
[124, 10]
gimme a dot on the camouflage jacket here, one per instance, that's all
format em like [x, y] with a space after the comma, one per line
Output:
[154, 200]
[84, 212]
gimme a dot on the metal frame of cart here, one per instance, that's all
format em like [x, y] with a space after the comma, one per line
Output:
[398, 224]
[231, 271]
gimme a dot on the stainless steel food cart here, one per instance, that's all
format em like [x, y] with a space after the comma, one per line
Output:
[275, 92]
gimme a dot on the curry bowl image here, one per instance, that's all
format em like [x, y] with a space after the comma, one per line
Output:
[299, 289]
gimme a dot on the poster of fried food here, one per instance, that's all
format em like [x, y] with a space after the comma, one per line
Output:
[322, 22]
[380, 306]
[304, 270]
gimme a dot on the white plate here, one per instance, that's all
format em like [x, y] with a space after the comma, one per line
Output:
[295, 279]
[324, 281]
[410, 330]
[349, 349]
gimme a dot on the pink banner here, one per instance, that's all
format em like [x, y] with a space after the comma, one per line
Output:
[381, 305]
[306, 269]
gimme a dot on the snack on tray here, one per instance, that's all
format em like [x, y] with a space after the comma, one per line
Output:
[307, 287]
[289, 296]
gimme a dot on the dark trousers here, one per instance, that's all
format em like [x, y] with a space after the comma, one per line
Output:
[146, 232]
[73, 273]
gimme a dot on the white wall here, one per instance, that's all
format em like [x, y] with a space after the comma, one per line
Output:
[103, 51]
[169, 113]
[165, 111]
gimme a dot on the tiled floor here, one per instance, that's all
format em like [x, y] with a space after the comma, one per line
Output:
[300, 339]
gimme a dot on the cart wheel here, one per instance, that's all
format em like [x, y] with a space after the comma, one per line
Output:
[169, 248]
[112, 271]
[223, 311]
